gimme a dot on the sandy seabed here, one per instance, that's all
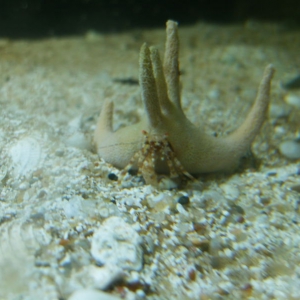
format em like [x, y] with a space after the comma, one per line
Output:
[66, 227]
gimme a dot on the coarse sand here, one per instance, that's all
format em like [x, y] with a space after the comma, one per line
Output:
[67, 230]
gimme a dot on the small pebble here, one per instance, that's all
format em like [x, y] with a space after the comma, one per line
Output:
[240, 219]
[279, 130]
[184, 200]
[59, 152]
[231, 191]
[271, 173]
[214, 94]
[41, 194]
[23, 186]
[140, 294]
[290, 149]
[112, 176]
[293, 100]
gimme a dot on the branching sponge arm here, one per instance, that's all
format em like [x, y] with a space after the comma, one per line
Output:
[243, 136]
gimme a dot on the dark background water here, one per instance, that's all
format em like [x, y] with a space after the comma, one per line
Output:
[43, 18]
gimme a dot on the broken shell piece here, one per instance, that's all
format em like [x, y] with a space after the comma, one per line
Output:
[21, 239]
[26, 156]
[116, 243]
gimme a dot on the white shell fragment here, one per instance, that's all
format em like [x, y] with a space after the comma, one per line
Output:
[91, 294]
[117, 243]
[26, 156]
[290, 149]
[20, 241]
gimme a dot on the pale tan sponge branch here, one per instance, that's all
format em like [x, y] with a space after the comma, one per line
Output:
[197, 151]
